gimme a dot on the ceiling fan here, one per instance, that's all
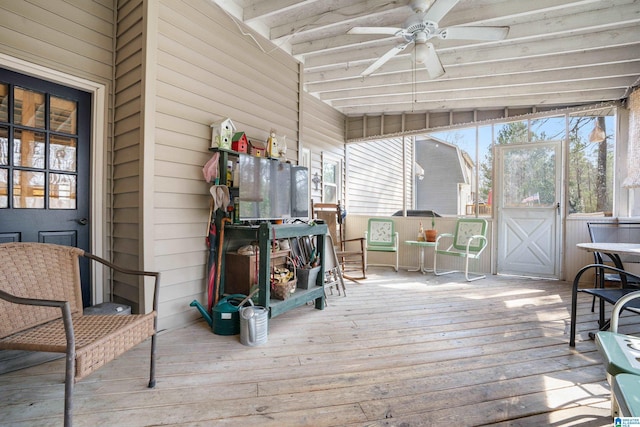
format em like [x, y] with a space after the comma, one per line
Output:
[422, 26]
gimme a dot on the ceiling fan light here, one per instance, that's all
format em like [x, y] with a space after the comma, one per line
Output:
[422, 51]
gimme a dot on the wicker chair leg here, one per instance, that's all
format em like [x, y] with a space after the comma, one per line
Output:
[68, 389]
[152, 369]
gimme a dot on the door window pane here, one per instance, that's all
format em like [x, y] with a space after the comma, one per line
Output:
[62, 191]
[62, 153]
[4, 146]
[63, 116]
[4, 103]
[529, 177]
[4, 188]
[28, 149]
[28, 189]
[29, 108]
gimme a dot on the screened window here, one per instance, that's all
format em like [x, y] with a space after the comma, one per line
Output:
[330, 181]
[591, 163]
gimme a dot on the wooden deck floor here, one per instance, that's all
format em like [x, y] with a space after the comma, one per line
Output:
[402, 349]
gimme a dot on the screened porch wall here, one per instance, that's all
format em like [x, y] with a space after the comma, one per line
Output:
[407, 228]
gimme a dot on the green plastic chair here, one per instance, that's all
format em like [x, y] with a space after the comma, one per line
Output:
[468, 242]
[381, 236]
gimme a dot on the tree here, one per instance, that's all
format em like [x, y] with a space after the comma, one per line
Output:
[510, 133]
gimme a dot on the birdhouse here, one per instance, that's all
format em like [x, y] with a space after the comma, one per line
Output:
[257, 149]
[240, 143]
[272, 145]
[222, 133]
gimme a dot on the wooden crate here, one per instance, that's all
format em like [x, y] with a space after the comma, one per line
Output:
[241, 271]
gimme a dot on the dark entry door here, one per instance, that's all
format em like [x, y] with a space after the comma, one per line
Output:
[44, 164]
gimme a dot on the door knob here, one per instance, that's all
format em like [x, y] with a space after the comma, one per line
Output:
[82, 221]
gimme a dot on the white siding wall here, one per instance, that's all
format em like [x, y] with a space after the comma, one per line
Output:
[376, 171]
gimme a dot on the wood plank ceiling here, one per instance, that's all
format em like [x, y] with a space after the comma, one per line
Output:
[557, 53]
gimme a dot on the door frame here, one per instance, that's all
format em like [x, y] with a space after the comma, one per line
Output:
[98, 194]
[560, 146]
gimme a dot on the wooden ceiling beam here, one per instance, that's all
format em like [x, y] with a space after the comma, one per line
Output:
[583, 76]
[548, 100]
[340, 79]
[599, 19]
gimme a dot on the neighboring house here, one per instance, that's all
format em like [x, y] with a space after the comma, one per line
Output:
[448, 177]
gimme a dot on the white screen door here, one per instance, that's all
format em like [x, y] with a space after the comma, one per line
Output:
[529, 215]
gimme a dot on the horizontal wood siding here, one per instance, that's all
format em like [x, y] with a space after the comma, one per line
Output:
[73, 39]
[322, 132]
[127, 186]
[207, 70]
[375, 170]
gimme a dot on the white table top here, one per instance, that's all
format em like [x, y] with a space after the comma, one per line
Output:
[612, 248]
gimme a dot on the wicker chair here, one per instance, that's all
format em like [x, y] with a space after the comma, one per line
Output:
[41, 310]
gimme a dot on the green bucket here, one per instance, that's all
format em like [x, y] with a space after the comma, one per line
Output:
[225, 315]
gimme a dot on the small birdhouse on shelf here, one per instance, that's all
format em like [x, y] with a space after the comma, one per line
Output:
[257, 149]
[272, 144]
[222, 133]
[240, 143]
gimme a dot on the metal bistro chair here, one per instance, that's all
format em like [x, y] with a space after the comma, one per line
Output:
[613, 232]
[381, 236]
[468, 242]
[609, 295]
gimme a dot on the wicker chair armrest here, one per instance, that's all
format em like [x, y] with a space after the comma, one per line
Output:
[64, 306]
[155, 275]
[31, 301]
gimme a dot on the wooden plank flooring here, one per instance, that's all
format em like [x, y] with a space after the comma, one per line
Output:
[402, 349]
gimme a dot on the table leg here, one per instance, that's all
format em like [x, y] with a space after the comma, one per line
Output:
[420, 267]
[425, 270]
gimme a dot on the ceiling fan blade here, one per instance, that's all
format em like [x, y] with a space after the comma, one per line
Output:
[374, 30]
[474, 33]
[439, 9]
[384, 58]
[432, 62]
